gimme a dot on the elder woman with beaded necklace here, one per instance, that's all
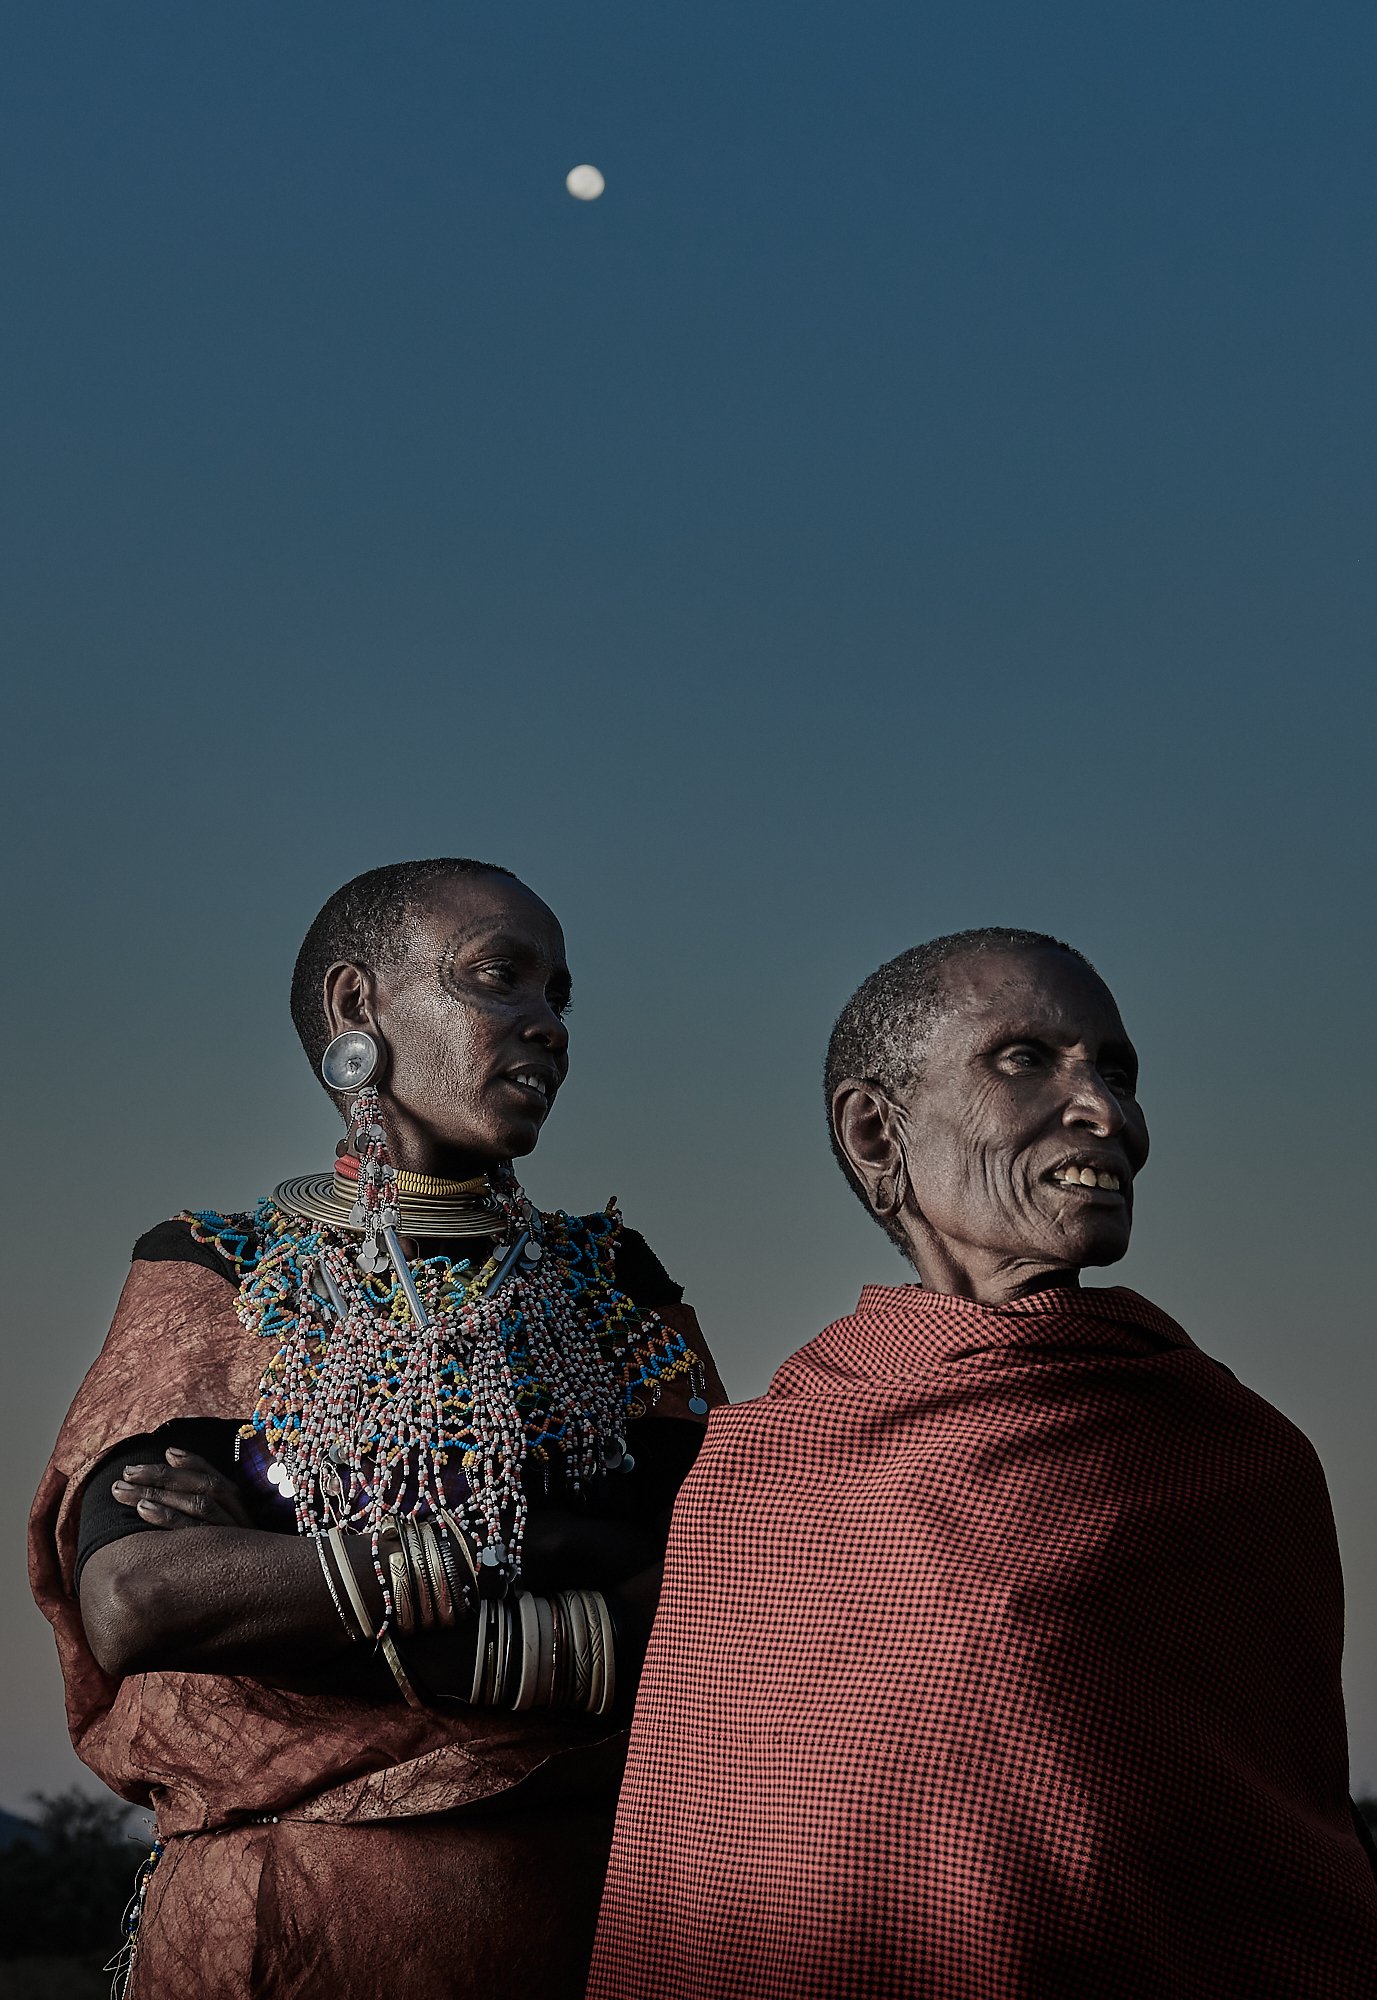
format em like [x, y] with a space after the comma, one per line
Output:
[351, 1540]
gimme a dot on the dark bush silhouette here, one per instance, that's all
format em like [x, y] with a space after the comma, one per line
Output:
[63, 1888]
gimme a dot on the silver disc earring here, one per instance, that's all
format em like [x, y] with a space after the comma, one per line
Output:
[351, 1061]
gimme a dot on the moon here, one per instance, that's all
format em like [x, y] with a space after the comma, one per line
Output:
[584, 183]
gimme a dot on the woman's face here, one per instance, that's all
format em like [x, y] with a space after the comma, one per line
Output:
[473, 1022]
[1027, 1094]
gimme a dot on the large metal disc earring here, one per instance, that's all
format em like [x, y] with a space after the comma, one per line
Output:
[352, 1061]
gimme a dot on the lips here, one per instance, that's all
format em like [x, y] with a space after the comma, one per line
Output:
[540, 1083]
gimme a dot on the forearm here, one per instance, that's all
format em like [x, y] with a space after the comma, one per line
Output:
[238, 1600]
[215, 1600]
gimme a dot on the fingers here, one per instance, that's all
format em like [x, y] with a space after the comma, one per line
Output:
[146, 1507]
[186, 1468]
[184, 1491]
[198, 1505]
[190, 1461]
[205, 1485]
[226, 1490]
[165, 1506]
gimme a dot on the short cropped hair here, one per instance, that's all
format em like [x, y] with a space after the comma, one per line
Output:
[882, 1032]
[364, 923]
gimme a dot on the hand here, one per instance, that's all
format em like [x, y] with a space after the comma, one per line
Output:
[184, 1492]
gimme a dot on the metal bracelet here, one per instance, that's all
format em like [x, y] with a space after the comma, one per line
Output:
[461, 1593]
[335, 1537]
[441, 1595]
[403, 1608]
[345, 1620]
[398, 1671]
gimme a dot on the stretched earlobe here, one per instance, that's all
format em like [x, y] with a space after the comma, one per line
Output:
[865, 1121]
[887, 1199]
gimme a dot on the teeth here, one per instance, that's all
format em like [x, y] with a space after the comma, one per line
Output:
[534, 1083]
[1087, 1177]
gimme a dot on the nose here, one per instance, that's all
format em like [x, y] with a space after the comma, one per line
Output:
[547, 1028]
[1092, 1105]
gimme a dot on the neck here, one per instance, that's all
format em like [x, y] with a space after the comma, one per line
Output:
[986, 1279]
[413, 1150]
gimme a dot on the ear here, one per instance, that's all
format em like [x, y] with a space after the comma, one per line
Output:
[866, 1122]
[350, 999]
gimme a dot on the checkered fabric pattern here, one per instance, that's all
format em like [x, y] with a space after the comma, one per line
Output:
[998, 1659]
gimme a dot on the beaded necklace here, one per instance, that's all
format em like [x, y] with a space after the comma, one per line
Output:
[369, 1415]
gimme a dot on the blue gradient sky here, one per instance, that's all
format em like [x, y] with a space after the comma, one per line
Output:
[934, 486]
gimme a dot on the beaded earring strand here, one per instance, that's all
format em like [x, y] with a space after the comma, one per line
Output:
[376, 1209]
[350, 1065]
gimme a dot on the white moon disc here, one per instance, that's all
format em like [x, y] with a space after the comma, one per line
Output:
[584, 183]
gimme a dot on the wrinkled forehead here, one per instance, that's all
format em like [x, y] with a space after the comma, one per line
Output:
[459, 910]
[1025, 990]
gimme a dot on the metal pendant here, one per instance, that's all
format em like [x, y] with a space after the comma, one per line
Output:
[370, 1258]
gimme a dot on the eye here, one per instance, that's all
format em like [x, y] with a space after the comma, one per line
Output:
[1121, 1080]
[1022, 1059]
[561, 1002]
[500, 971]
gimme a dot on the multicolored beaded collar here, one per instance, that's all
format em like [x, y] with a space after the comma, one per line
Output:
[365, 1415]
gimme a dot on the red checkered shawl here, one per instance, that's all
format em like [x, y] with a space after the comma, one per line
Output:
[998, 1656]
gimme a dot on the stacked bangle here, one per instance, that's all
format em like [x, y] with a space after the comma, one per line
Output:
[530, 1652]
[546, 1652]
[427, 1589]
[334, 1557]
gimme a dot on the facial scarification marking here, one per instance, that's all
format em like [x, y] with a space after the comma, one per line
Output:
[444, 970]
[511, 941]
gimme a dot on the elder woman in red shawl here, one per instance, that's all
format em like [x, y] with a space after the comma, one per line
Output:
[998, 1654]
[351, 1538]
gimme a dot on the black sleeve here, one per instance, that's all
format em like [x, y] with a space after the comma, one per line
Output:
[640, 1274]
[659, 1456]
[103, 1519]
[173, 1243]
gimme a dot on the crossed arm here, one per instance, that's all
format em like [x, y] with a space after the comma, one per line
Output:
[213, 1594]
